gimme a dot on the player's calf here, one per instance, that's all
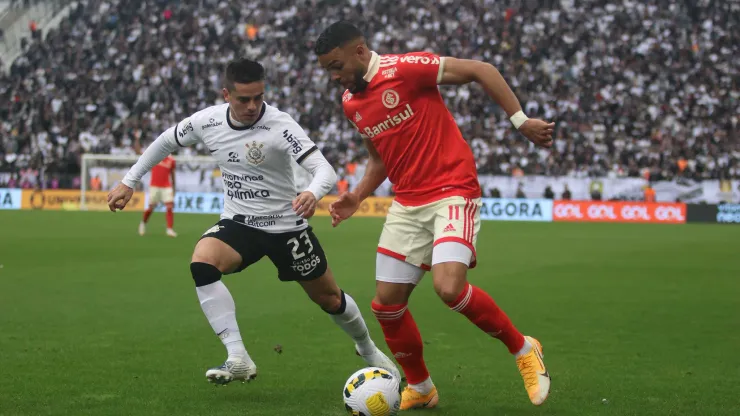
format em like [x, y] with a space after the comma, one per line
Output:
[449, 267]
[346, 314]
[210, 259]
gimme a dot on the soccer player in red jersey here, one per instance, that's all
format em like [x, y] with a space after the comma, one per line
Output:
[433, 223]
[161, 190]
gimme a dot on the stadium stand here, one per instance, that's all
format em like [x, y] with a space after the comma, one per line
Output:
[637, 88]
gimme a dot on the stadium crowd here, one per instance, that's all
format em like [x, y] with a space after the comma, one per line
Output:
[647, 87]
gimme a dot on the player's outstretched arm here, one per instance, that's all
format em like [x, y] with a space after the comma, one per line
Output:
[463, 71]
[164, 145]
[348, 202]
[324, 178]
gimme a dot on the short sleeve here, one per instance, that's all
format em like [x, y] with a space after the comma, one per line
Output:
[423, 69]
[296, 141]
[185, 133]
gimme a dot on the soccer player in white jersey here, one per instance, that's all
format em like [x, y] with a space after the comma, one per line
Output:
[253, 143]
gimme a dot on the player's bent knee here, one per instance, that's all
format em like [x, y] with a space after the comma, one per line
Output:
[333, 304]
[449, 280]
[449, 292]
[204, 274]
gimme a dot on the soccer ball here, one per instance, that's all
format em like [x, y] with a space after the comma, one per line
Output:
[372, 391]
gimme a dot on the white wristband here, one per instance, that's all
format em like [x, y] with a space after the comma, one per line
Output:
[518, 119]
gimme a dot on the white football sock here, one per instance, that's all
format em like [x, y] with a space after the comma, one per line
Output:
[424, 387]
[526, 348]
[220, 310]
[353, 324]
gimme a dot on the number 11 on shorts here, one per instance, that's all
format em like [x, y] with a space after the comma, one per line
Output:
[454, 212]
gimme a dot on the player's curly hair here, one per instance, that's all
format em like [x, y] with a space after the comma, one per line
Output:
[243, 71]
[335, 36]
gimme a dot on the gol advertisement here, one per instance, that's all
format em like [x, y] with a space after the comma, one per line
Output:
[69, 199]
[598, 211]
[371, 207]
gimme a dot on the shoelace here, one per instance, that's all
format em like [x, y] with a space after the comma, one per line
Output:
[528, 372]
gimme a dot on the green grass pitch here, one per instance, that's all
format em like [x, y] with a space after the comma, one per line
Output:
[634, 320]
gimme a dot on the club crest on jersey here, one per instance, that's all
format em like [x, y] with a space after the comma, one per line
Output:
[390, 98]
[254, 153]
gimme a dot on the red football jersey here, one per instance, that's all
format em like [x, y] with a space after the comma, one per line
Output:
[161, 173]
[402, 112]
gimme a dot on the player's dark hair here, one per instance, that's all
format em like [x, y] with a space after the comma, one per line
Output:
[243, 71]
[335, 36]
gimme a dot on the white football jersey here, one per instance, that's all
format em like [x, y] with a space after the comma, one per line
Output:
[255, 161]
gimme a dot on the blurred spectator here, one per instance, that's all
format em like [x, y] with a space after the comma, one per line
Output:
[649, 193]
[566, 196]
[549, 194]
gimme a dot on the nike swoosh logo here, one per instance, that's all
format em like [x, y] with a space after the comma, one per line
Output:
[214, 150]
[307, 272]
[542, 363]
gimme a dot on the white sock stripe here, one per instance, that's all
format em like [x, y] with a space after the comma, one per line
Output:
[389, 315]
[398, 313]
[463, 303]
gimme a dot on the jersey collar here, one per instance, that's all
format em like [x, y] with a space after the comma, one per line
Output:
[373, 67]
[234, 126]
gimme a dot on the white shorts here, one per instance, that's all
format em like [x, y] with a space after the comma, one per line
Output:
[410, 233]
[163, 195]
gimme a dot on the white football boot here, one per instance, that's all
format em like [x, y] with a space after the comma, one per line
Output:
[232, 369]
[142, 228]
[378, 359]
[171, 233]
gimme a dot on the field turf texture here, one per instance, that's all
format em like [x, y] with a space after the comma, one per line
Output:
[634, 320]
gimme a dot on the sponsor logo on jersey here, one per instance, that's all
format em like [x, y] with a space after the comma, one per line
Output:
[390, 98]
[246, 178]
[259, 221]
[293, 142]
[424, 60]
[255, 155]
[186, 129]
[392, 120]
[358, 117]
[211, 123]
[260, 127]
[233, 157]
[389, 73]
[247, 194]
[388, 60]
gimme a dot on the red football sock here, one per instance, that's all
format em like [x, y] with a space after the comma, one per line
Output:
[170, 216]
[477, 306]
[404, 340]
[147, 214]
